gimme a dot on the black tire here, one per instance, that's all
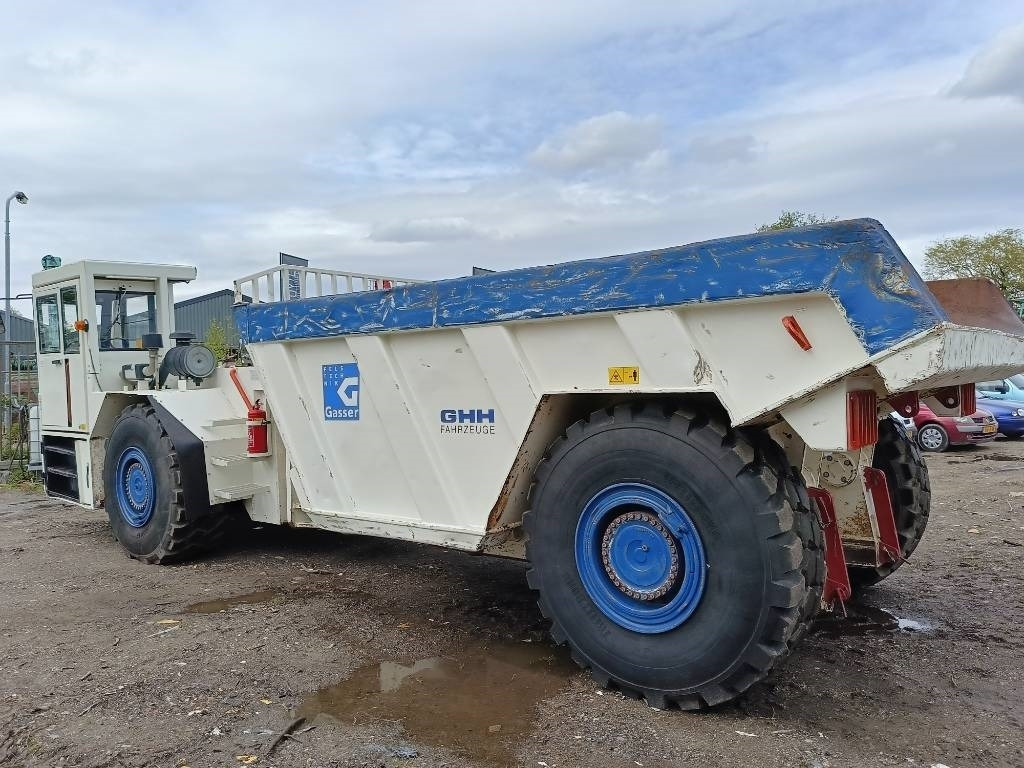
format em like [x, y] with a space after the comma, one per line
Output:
[926, 442]
[910, 491]
[171, 532]
[1013, 435]
[763, 549]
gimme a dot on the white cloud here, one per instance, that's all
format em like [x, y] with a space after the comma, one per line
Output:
[998, 70]
[722, 149]
[418, 140]
[615, 139]
[433, 230]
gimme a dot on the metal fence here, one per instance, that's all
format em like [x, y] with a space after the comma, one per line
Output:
[17, 457]
[19, 449]
[23, 373]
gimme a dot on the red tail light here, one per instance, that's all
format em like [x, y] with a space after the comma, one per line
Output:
[861, 419]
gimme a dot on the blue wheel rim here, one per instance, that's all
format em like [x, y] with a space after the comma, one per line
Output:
[640, 558]
[136, 490]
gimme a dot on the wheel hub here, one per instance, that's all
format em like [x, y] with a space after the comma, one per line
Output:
[640, 556]
[135, 487]
[931, 437]
[136, 484]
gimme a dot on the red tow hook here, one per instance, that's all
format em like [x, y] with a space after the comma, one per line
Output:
[837, 578]
[878, 494]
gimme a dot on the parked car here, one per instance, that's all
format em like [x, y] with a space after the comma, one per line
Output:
[1009, 414]
[937, 433]
[908, 424]
[1002, 389]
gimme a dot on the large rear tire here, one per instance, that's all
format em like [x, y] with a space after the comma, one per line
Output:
[677, 557]
[910, 491]
[143, 493]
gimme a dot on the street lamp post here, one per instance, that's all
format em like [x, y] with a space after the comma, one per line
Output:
[22, 198]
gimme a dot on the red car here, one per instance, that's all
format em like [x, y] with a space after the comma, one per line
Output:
[937, 433]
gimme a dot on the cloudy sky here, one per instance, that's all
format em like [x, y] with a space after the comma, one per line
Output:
[418, 139]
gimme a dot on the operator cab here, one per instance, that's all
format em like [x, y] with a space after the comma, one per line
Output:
[95, 321]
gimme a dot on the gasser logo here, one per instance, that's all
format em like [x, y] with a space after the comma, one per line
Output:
[341, 392]
[473, 421]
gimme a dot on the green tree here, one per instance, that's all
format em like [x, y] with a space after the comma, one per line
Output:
[217, 341]
[790, 219]
[998, 256]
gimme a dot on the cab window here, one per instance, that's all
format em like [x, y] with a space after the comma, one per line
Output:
[124, 317]
[69, 314]
[48, 324]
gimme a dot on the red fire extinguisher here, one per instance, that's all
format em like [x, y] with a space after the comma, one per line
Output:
[257, 423]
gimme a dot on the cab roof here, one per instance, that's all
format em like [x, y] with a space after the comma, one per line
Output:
[113, 270]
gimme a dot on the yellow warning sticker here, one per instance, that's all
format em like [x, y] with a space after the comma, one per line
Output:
[624, 374]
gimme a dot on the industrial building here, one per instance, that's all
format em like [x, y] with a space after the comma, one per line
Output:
[22, 328]
[23, 349]
[195, 315]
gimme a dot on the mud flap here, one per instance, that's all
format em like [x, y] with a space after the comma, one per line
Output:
[191, 457]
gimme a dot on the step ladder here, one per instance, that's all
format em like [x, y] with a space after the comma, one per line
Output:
[60, 468]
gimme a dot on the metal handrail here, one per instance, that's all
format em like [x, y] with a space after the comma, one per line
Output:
[287, 282]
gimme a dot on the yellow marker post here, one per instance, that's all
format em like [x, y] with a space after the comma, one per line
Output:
[626, 375]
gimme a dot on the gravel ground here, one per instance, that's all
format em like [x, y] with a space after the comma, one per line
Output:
[297, 648]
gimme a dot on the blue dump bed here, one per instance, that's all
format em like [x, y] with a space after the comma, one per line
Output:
[855, 262]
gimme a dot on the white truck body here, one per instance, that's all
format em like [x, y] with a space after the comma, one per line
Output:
[449, 421]
[681, 442]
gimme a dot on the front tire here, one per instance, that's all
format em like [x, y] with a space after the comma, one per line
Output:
[677, 557]
[143, 493]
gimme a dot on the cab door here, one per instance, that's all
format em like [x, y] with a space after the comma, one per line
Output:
[62, 386]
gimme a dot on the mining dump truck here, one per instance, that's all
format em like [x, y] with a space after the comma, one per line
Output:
[693, 448]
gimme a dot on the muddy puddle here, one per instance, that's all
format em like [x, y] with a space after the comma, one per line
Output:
[864, 620]
[477, 703]
[227, 603]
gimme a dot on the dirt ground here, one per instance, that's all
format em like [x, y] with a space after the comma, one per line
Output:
[383, 653]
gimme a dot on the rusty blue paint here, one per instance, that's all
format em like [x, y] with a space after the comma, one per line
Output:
[855, 262]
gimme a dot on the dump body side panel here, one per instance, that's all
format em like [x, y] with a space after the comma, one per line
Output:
[419, 429]
[406, 412]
